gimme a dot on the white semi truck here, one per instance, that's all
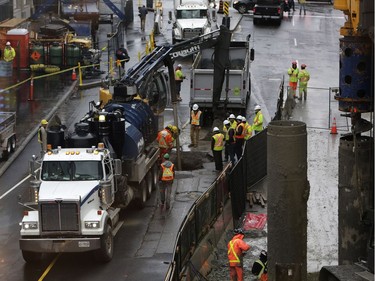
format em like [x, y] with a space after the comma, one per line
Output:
[191, 18]
[79, 191]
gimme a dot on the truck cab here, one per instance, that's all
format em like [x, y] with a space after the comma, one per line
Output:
[73, 194]
[191, 19]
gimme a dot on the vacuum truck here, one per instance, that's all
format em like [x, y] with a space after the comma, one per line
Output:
[86, 178]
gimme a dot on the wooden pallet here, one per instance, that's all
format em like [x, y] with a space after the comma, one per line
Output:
[255, 197]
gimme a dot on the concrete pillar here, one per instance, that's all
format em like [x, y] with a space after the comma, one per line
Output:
[288, 191]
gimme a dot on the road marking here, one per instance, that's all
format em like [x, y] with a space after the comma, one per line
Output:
[49, 267]
[14, 187]
[295, 42]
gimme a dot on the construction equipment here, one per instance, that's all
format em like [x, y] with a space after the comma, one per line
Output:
[356, 151]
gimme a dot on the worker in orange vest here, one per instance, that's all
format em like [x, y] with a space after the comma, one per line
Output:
[166, 177]
[240, 137]
[165, 140]
[236, 247]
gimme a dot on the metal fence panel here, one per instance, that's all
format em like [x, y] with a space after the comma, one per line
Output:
[255, 155]
[237, 187]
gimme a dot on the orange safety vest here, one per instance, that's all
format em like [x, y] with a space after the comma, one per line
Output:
[195, 117]
[219, 142]
[164, 139]
[235, 248]
[243, 131]
[167, 174]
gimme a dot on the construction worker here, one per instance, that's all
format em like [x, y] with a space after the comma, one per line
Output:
[260, 267]
[122, 55]
[196, 120]
[165, 140]
[232, 120]
[42, 136]
[9, 52]
[240, 136]
[230, 142]
[258, 120]
[142, 14]
[166, 177]
[303, 78]
[236, 247]
[248, 128]
[217, 146]
[293, 78]
[179, 77]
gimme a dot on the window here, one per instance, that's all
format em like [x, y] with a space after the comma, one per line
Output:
[72, 170]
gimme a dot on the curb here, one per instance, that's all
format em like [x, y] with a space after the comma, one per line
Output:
[22, 146]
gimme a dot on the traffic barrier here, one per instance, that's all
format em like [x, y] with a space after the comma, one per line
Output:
[334, 127]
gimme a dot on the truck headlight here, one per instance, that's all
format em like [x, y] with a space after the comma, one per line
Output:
[30, 225]
[92, 224]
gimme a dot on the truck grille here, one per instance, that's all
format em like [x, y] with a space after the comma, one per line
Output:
[59, 216]
[192, 32]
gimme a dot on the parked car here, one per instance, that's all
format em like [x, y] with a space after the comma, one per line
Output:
[243, 6]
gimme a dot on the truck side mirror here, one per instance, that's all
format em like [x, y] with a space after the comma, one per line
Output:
[252, 54]
[32, 166]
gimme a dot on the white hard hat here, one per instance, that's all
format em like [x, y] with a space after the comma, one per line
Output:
[179, 65]
[216, 129]
[226, 122]
[239, 117]
[232, 116]
[257, 107]
[243, 118]
[195, 106]
[8, 43]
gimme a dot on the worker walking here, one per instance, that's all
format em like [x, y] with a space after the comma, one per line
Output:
[166, 177]
[122, 55]
[239, 135]
[230, 142]
[236, 247]
[9, 52]
[142, 14]
[303, 78]
[196, 120]
[258, 120]
[42, 136]
[165, 140]
[302, 6]
[217, 146]
[293, 78]
[179, 77]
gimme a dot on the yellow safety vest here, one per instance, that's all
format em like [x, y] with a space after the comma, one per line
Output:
[167, 174]
[9, 54]
[219, 142]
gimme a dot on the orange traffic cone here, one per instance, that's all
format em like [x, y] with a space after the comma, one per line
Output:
[74, 75]
[334, 127]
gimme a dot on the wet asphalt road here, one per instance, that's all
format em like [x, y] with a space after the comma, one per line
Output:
[312, 39]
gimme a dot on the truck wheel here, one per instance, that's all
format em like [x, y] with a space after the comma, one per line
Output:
[32, 257]
[155, 176]
[141, 200]
[105, 253]
[13, 143]
[149, 183]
